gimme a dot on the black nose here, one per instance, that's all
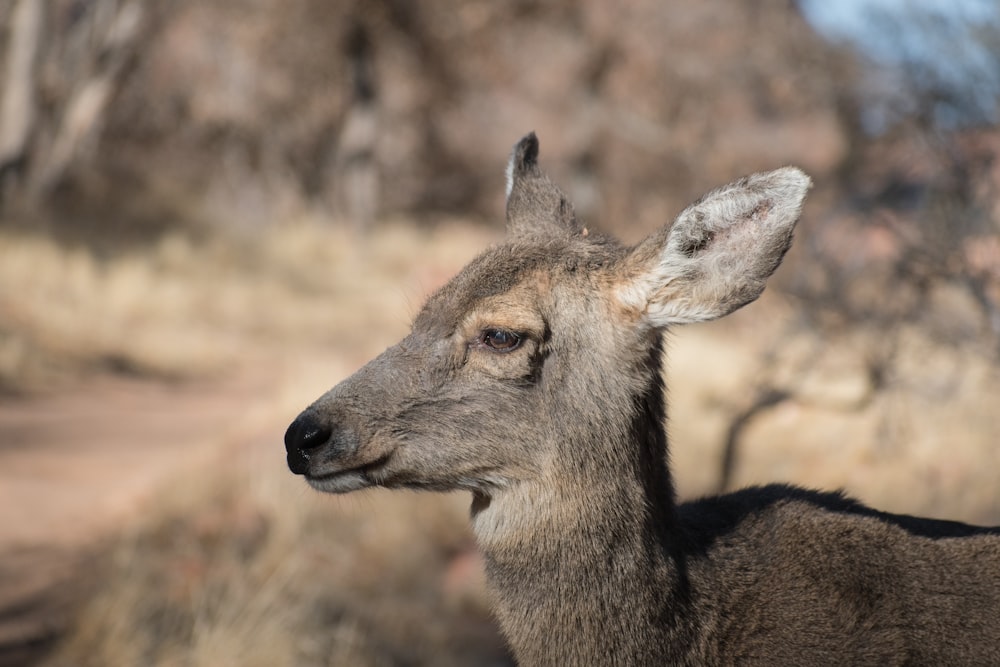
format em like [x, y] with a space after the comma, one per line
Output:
[305, 433]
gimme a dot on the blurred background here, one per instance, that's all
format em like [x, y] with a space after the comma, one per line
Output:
[210, 213]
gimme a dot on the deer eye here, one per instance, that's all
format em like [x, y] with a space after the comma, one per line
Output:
[500, 340]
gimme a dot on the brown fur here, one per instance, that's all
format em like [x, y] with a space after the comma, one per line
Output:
[562, 441]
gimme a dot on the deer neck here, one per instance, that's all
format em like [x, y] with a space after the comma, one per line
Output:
[582, 561]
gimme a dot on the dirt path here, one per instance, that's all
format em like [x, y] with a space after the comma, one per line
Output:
[75, 467]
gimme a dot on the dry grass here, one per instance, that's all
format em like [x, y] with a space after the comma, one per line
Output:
[184, 308]
[924, 442]
[252, 569]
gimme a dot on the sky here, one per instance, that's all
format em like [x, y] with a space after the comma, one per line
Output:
[948, 49]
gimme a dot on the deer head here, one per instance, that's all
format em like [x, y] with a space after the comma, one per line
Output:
[534, 361]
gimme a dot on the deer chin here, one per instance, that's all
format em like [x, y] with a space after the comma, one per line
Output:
[347, 479]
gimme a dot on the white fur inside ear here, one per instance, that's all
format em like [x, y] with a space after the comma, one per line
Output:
[509, 173]
[639, 296]
[634, 295]
[719, 253]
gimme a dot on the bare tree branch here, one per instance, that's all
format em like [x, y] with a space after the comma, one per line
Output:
[17, 106]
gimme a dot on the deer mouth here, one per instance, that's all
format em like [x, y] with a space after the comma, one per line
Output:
[348, 479]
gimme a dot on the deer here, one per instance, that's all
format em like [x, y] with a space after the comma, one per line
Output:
[533, 380]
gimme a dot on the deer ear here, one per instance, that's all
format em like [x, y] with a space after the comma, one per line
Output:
[719, 252]
[535, 206]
